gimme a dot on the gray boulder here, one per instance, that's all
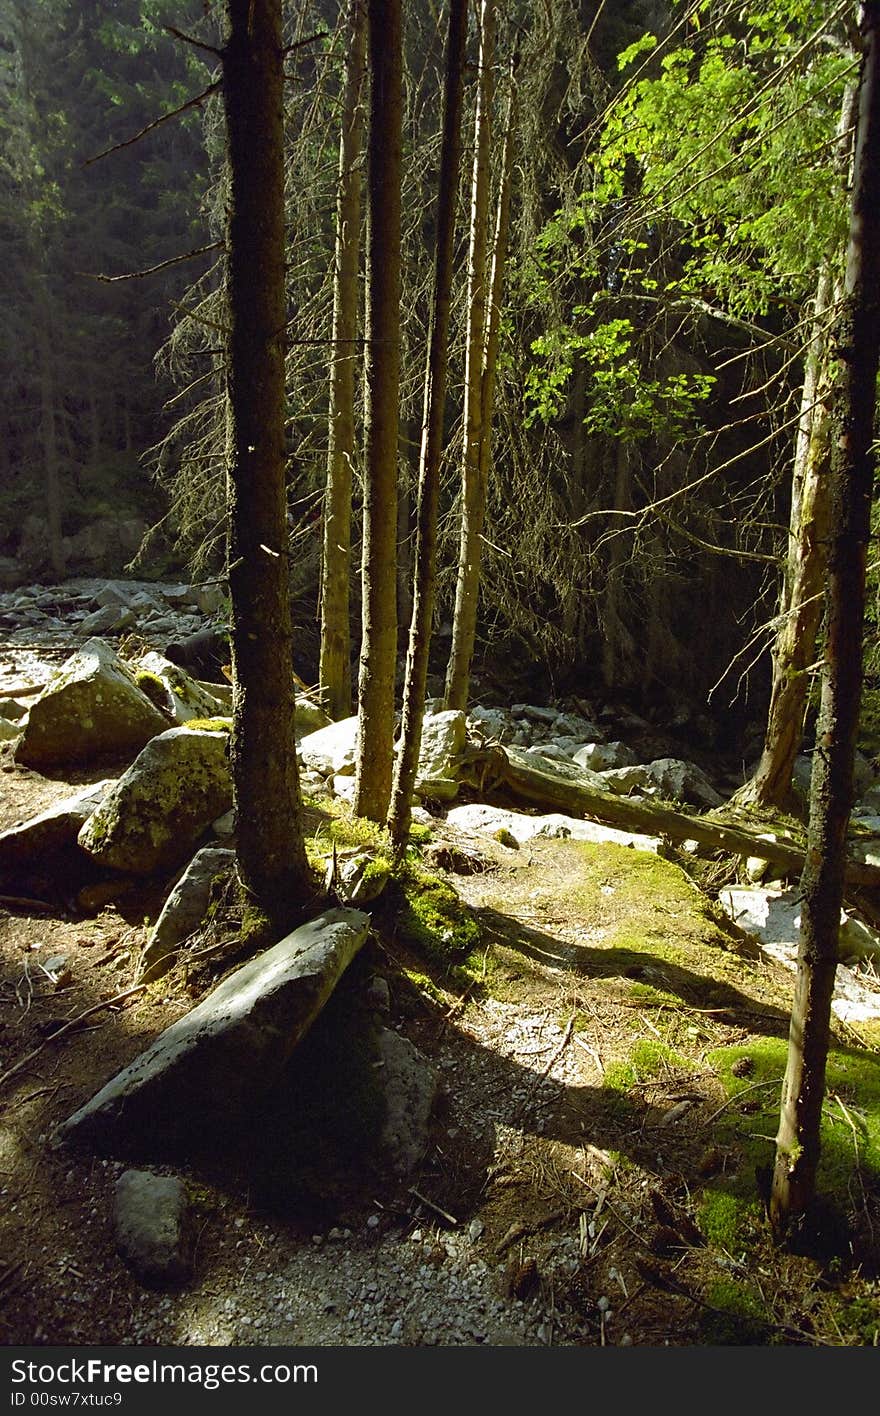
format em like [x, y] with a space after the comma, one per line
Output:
[410, 1085]
[153, 1223]
[443, 737]
[331, 750]
[91, 708]
[203, 1074]
[183, 911]
[605, 756]
[159, 808]
[683, 781]
[184, 697]
[51, 831]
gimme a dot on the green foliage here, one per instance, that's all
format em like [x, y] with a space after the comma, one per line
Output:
[622, 400]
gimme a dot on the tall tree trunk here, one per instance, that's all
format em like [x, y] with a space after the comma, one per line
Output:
[803, 597]
[432, 438]
[48, 436]
[335, 660]
[857, 350]
[473, 507]
[617, 643]
[271, 854]
[382, 376]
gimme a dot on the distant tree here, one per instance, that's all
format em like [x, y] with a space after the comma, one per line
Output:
[335, 659]
[416, 673]
[271, 854]
[857, 351]
[473, 499]
[378, 655]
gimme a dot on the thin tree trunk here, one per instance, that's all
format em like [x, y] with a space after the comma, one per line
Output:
[382, 376]
[857, 349]
[432, 439]
[617, 642]
[472, 510]
[271, 854]
[803, 595]
[48, 435]
[335, 660]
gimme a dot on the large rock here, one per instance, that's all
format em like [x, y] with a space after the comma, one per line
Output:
[162, 804]
[331, 750]
[410, 1085]
[155, 1232]
[773, 918]
[171, 688]
[443, 737]
[51, 831]
[489, 820]
[184, 910]
[203, 1074]
[683, 781]
[91, 708]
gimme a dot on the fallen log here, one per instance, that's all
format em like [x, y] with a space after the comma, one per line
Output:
[575, 793]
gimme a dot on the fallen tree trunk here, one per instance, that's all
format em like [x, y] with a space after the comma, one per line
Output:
[570, 791]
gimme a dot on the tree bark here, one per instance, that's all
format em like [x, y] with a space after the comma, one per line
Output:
[473, 504]
[803, 597]
[49, 438]
[271, 854]
[378, 656]
[421, 624]
[857, 351]
[335, 654]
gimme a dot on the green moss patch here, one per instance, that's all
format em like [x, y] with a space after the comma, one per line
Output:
[850, 1135]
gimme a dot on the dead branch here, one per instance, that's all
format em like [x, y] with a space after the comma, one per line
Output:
[68, 1026]
[151, 270]
[165, 118]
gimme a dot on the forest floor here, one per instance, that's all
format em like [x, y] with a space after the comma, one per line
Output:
[611, 1061]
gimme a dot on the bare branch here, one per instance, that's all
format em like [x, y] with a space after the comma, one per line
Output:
[196, 43]
[175, 113]
[151, 270]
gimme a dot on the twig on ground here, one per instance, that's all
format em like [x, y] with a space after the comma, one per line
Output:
[68, 1026]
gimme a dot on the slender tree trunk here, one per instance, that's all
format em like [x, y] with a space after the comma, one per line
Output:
[49, 438]
[857, 350]
[335, 662]
[617, 643]
[271, 854]
[432, 438]
[473, 507]
[803, 595]
[382, 376]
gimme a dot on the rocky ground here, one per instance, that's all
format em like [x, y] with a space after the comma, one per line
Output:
[575, 1185]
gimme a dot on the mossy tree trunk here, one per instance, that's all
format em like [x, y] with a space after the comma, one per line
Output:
[416, 675]
[803, 597]
[335, 656]
[271, 853]
[857, 352]
[378, 658]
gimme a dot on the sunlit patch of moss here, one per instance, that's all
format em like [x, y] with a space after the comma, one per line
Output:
[431, 918]
[154, 688]
[850, 1131]
[427, 987]
[256, 930]
[737, 1316]
[648, 1058]
[208, 725]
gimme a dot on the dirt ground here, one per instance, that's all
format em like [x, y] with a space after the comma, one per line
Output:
[579, 1198]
